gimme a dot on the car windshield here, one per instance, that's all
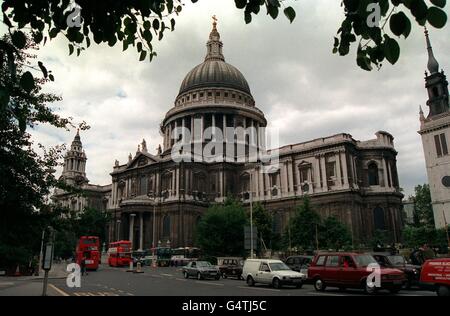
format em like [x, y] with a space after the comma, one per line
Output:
[364, 260]
[279, 266]
[396, 260]
[203, 264]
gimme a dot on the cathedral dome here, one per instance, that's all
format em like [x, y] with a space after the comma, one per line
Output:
[214, 73]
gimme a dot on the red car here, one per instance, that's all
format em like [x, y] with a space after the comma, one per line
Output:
[436, 273]
[350, 270]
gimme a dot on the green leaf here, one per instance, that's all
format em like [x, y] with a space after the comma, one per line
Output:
[439, 3]
[436, 17]
[156, 24]
[53, 32]
[247, 17]
[51, 77]
[391, 49]
[143, 55]
[18, 39]
[172, 24]
[27, 81]
[240, 4]
[419, 9]
[71, 48]
[400, 24]
[273, 11]
[290, 13]
[43, 69]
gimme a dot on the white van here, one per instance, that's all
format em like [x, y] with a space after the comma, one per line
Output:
[272, 272]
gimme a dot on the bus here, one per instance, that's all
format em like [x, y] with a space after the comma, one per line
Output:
[119, 253]
[88, 248]
[183, 255]
[163, 256]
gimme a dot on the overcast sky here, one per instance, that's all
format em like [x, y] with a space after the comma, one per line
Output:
[303, 89]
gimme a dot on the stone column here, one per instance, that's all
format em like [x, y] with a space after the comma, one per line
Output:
[324, 172]
[290, 176]
[283, 179]
[261, 184]
[385, 174]
[344, 168]
[131, 233]
[338, 169]
[141, 230]
[317, 179]
[390, 173]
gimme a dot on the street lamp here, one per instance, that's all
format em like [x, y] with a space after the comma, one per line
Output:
[251, 218]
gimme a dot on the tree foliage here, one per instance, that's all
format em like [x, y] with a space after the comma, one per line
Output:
[334, 234]
[263, 222]
[140, 23]
[308, 231]
[304, 226]
[221, 229]
[423, 209]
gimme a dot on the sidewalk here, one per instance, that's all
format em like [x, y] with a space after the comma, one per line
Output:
[58, 271]
[15, 287]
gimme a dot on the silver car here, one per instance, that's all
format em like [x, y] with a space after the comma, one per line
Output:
[201, 270]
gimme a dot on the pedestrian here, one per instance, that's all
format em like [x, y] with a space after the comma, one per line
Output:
[83, 266]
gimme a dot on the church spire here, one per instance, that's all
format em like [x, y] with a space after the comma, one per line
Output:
[214, 45]
[433, 65]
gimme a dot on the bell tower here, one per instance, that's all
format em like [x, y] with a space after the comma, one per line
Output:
[435, 133]
[74, 171]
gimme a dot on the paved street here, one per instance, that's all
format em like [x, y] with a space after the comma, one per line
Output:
[109, 281]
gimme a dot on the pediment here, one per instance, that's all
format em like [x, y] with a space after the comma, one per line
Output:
[142, 159]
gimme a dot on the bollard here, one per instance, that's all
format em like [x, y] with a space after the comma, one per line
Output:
[138, 268]
[130, 269]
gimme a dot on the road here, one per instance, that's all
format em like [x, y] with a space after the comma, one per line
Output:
[109, 281]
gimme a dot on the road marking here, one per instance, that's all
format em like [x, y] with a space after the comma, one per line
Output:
[258, 288]
[6, 283]
[324, 294]
[130, 294]
[211, 283]
[58, 290]
[180, 279]
[170, 275]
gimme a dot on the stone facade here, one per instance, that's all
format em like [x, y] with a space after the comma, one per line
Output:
[435, 133]
[353, 180]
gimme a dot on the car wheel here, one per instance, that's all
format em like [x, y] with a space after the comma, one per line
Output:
[408, 284]
[369, 289]
[319, 285]
[443, 291]
[186, 275]
[224, 275]
[394, 290]
[300, 285]
[250, 281]
[276, 283]
[199, 276]
[217, 277]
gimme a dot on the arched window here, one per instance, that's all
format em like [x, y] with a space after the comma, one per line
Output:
[199, 184]
[166, 226]
[378, 219]
[143, 186]
[245, 182]
[373, 174]
[276, 223]
[167, 181]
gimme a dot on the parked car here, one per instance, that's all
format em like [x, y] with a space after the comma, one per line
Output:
[272, 272]
[350, 270]
[299, 263]
[201, 270]
[230, 267]
[389, 260]
[435, 274]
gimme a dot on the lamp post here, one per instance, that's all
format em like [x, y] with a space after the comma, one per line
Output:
[118, 229]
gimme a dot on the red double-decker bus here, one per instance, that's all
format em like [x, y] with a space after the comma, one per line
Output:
[119, 253]
[88, 248]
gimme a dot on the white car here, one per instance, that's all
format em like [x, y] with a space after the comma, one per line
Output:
[272, 272]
